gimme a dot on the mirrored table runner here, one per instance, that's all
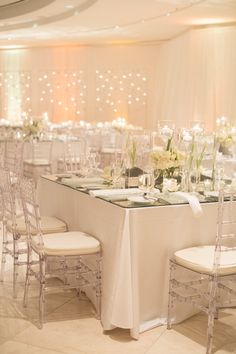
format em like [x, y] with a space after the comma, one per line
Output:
[133, 199]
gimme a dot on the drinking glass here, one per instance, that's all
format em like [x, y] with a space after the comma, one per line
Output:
[146, 183]
[84, 165]
[117, 171]
[94, 160]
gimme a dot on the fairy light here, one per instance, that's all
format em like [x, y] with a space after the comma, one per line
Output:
[66, 91]
[125, 89]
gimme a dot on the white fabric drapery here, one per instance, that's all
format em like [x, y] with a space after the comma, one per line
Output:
[197, 77]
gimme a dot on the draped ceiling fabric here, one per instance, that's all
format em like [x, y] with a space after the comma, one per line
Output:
[192, 77]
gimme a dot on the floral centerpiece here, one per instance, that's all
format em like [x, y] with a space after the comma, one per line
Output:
[168, 161]
[32, 128]
[225, 133]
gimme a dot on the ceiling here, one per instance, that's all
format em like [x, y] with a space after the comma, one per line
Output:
[101, 22]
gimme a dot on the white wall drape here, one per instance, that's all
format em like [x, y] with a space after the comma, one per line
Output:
[197, 77]
[192, 77]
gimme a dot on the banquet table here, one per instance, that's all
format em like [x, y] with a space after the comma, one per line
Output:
[137, 241]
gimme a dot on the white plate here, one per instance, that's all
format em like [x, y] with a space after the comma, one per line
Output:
[139, 199]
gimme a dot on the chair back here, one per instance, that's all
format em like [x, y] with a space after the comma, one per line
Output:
[42, 150]
[225, 247]
[8, 200]
[31, 211]
[2, 153]
[74, 152]
[13, 157]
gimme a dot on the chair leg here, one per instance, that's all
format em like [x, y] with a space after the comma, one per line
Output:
[211, 315]
[4, 253]
[98, 287]
[170, 298]
[210, 329]
[15, 267]
[27, 278]
[41, 292]
[216, 315]
[79, 268]
[3, 263]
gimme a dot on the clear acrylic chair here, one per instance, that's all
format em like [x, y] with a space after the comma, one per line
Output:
[13, 159]
[40, 161]
[67, 254]
[209, 282]
[13, 244]
[2, 152]
[74, 151]
[14, 227]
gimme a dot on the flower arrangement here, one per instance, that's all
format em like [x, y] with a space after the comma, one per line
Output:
[225, 132]
[167, 160]
[32, 128]
[226, 139]
[164, 159]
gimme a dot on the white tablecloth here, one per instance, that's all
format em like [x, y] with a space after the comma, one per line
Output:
[137, 244]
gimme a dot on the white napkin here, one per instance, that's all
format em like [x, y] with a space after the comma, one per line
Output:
[78, 181]
[193, 202]
[110, 192]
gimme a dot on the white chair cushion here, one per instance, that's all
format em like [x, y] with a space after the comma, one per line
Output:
[49, 225]
[37, 162]
[72, 159]
[201, 259]
[69, 244]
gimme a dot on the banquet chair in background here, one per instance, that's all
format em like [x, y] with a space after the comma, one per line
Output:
[13, 244]
[60, 255]
[13, 159]
[74, 152]
[210, 282]
[14, 228]
[2, 153]
[40, 161]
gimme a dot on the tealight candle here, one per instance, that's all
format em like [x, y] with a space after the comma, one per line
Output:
[197, 129]
[187, 137]
[166, 130]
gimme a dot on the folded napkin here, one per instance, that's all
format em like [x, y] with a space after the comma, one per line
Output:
[110, 192]
[78, 181]
[193, 202]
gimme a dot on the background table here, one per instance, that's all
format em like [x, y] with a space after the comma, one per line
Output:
[137, 244]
